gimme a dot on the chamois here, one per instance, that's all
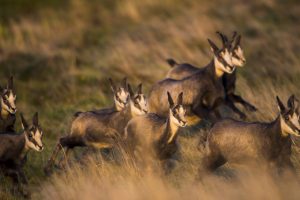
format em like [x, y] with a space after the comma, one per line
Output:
[121, 97]
[157, 135]
[203, 90]
[100, 130]
[180, 71]
[14, 148]
[244, 143]
[7, 107]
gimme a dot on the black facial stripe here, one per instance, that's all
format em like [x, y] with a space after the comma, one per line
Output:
[291, 125]
[223, 61]
[6, 102]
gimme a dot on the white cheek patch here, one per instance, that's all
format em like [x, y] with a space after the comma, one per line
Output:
[11, 99]
[239, 52]
[123, 95]
[227, 57]
[143, 104]
[295, 120]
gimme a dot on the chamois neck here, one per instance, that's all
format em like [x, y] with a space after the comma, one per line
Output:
[277, 126]
[217, 71]
[24, 147]
[4, 113]
[170, 132]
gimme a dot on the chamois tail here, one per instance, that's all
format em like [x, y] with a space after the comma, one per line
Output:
[171, 62]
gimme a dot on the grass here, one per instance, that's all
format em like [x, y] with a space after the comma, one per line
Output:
[61, 55]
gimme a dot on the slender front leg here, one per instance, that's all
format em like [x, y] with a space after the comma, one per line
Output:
[52, 158]
[231, 105]
[238, 99]
[64, 160]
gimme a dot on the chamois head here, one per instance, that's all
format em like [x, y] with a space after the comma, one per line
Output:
[177, 111]
[289, 117]
[121, 95]
[222, 58]
[138, 101]
[33, 133]
[238, 58]
[8, 97]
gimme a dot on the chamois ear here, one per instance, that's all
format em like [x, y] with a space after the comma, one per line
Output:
[35, 119]
[180, 99]
[223, 38]
[291, 102]
[10, 83]
[140, 88]
[112, 85]
[213, 47]
[131, 94]
[124, 83]
[281, 107]
[170, 100]
[1, 89]
[23, 121]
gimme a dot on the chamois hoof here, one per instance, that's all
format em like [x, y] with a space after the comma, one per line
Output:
[242, 116]
[47, 171]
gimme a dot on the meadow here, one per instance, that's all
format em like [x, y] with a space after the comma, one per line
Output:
[61, 54]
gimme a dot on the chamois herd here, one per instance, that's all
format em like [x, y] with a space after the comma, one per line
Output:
[150, 126]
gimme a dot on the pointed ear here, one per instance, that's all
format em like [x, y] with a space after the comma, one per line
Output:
[291, 102]
[281, 107]
[10, 83]
[213, 47]
[170, 100]
[35, 119]
[223, 38]
[23, 121]
[124, 82]
[180, 99]
[112, 85]
[140, 88]
[131, 94]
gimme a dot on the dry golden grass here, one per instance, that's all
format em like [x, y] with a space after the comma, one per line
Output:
[61, 57]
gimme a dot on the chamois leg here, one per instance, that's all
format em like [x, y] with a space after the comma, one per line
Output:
[239, 99]
[63, 142]
[209, 164]
[16, 176]
[64, 159]
[231, 105]
[215, 108]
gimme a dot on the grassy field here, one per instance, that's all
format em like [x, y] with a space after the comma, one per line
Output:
[61, 55]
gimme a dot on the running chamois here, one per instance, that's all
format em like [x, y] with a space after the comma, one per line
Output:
[154, 137]
[203, 90]
[14, 148]
[183, 70]
[100, 130]
[248, 143]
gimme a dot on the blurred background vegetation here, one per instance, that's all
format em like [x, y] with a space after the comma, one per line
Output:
[62, 52]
